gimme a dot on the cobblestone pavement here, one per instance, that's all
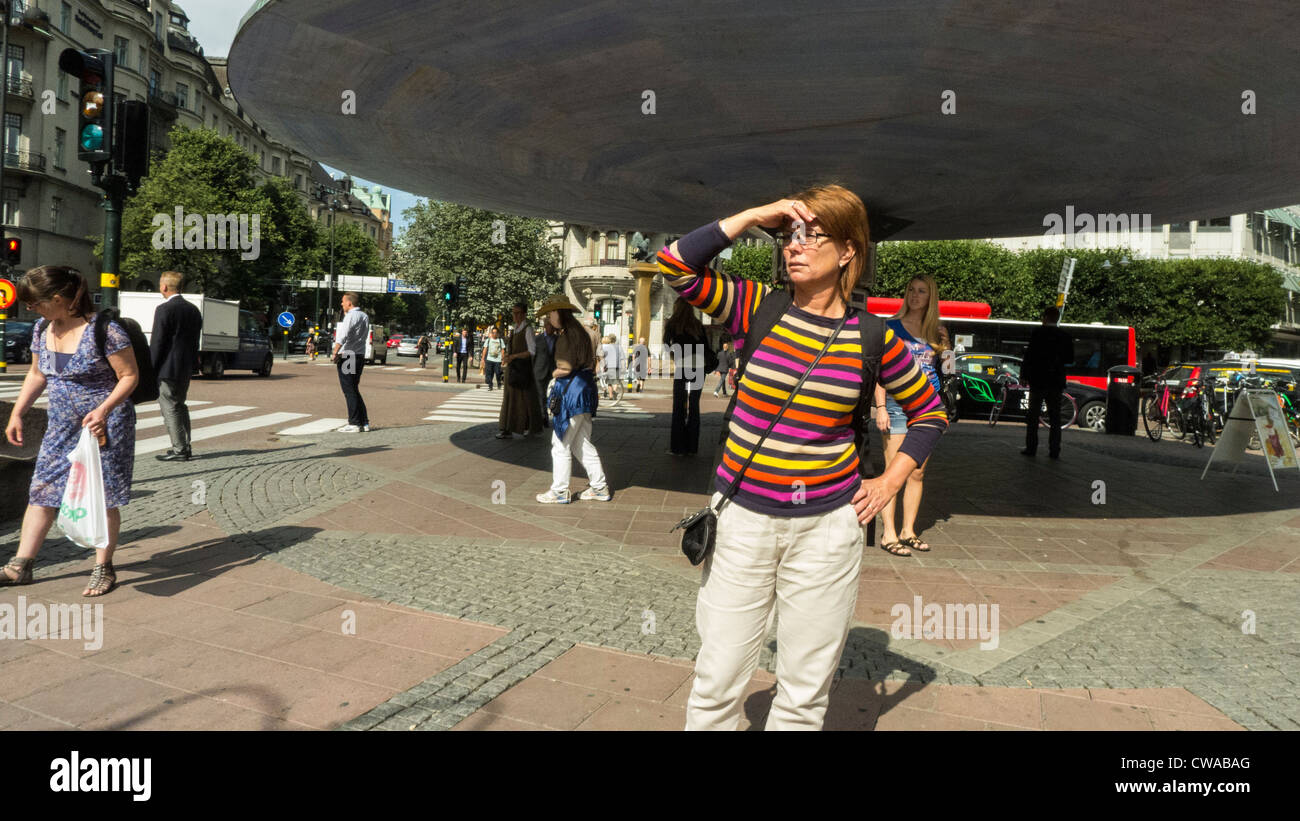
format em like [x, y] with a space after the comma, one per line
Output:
[1146, 589]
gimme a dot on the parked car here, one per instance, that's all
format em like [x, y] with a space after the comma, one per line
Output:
[18, 341]
[974, 389]
[395, 340]
[298, 342]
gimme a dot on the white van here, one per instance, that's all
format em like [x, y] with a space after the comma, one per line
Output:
[377, 346]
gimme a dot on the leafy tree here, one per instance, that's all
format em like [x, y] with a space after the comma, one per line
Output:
[203, 174]
[751, 262]
[1194, 304]
[445, 240]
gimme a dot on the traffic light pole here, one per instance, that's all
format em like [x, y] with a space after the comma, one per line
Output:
[114, 195]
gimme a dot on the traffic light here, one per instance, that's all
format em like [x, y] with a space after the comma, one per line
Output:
[449, 293]
[597, 311]
[131, 142]
[94, 69]
[13, 250]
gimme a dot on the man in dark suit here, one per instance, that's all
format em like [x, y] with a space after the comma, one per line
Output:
[1050, 351]
[464, 348]
[174, 350]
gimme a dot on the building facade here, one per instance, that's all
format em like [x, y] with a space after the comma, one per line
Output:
[48, 199]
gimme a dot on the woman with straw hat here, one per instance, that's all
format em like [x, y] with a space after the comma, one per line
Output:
[573, 406]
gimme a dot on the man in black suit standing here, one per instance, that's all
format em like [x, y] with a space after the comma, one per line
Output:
[464, 353]
[1050, 351]
[174, 350]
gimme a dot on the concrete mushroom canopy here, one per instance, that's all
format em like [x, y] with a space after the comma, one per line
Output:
[964, 118]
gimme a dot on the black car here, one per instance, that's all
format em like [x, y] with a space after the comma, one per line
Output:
[298, 342]
[18, 341]
[976, 386]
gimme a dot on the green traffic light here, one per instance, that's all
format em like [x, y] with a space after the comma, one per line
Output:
[92, 138]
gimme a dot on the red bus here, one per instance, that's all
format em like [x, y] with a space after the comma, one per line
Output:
[1097, 347]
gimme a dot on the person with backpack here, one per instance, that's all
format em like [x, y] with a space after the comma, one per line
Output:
[90, 386]
[684, 336]
[174, 351]
[792, 491]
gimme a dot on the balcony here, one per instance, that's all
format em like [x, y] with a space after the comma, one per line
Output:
[20, 87]
[25, 161]
[164, 101]
[144, 4]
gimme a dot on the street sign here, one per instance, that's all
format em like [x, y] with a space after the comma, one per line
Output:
[397, 286]
[7, 293]
[285, 319]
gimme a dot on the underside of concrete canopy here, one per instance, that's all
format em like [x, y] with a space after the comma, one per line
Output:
[660, 116]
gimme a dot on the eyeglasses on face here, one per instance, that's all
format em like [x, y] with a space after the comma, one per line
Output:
[810, 239]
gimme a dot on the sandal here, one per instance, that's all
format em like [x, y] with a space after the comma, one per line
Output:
[23, 567]
[915, 543]
[897, 548]
[102, 580]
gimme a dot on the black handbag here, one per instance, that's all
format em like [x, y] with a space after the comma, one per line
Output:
[700, 529]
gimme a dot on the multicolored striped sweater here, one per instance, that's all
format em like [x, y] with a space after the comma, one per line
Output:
[808, 465]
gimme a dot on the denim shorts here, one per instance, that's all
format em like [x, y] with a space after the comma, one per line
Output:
[897, 416]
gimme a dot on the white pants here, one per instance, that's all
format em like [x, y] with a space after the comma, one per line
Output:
[807, 568]
[576, 442]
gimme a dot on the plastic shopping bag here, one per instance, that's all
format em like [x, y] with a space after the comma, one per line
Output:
[83, 517]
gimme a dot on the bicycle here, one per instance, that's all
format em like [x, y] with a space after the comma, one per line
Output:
[1069, 409]
[1196, 411]
[1160, 410]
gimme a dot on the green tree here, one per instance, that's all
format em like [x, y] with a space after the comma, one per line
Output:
[203, 174]
[499, 258]
[751, 262]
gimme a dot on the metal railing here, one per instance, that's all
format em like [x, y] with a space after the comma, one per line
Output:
[19, 87]
[25, 160]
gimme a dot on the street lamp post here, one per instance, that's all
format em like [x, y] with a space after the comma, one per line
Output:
[330, 198]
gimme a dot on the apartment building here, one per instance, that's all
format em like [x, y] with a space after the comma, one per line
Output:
[47, 196]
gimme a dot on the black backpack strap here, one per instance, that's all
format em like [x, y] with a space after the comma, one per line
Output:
[102, 319]
[872, 330]
[769, 312]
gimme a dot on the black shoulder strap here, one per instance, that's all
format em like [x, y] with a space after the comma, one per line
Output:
[769, 312]
[101, 329]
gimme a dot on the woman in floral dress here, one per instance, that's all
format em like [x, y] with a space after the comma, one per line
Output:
[87, 389]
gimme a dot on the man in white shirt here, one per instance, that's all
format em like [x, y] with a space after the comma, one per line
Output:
[350, 338]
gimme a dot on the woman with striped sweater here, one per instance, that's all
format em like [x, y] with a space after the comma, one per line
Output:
[792, 540]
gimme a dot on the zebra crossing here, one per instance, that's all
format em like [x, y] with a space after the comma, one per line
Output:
[485, 406]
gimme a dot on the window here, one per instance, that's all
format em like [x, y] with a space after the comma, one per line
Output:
[297, 182]
[611, 245]
[121, 51]
[63, 86]
[158, 25]
[214, 123]
[182, 95]
[275, 166]
[14, 68]
[60, 140]
[144, 59]
[65, 18]
[56, 209]
[10, 214]
[155, 80]
[13, 133]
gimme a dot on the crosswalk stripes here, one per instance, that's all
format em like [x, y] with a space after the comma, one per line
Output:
[199, 434]
[481, 406]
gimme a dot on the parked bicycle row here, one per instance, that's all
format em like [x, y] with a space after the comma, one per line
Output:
[1192, 401]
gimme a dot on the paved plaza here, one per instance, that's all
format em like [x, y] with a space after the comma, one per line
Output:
[406, 579]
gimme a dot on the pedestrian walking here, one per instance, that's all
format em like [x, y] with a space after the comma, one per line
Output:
[726, 359]
[174, 351]
[684, 336]
[490, 358]
[350, 337]
[638, 363]
[609, 358]
[574, 399]
[90, 387]
[464, 353]
[544, 368]
[792, 542]
[917, 325]
[1050, 350]
[520, 408]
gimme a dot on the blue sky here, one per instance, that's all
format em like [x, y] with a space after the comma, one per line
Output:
[214, 23]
